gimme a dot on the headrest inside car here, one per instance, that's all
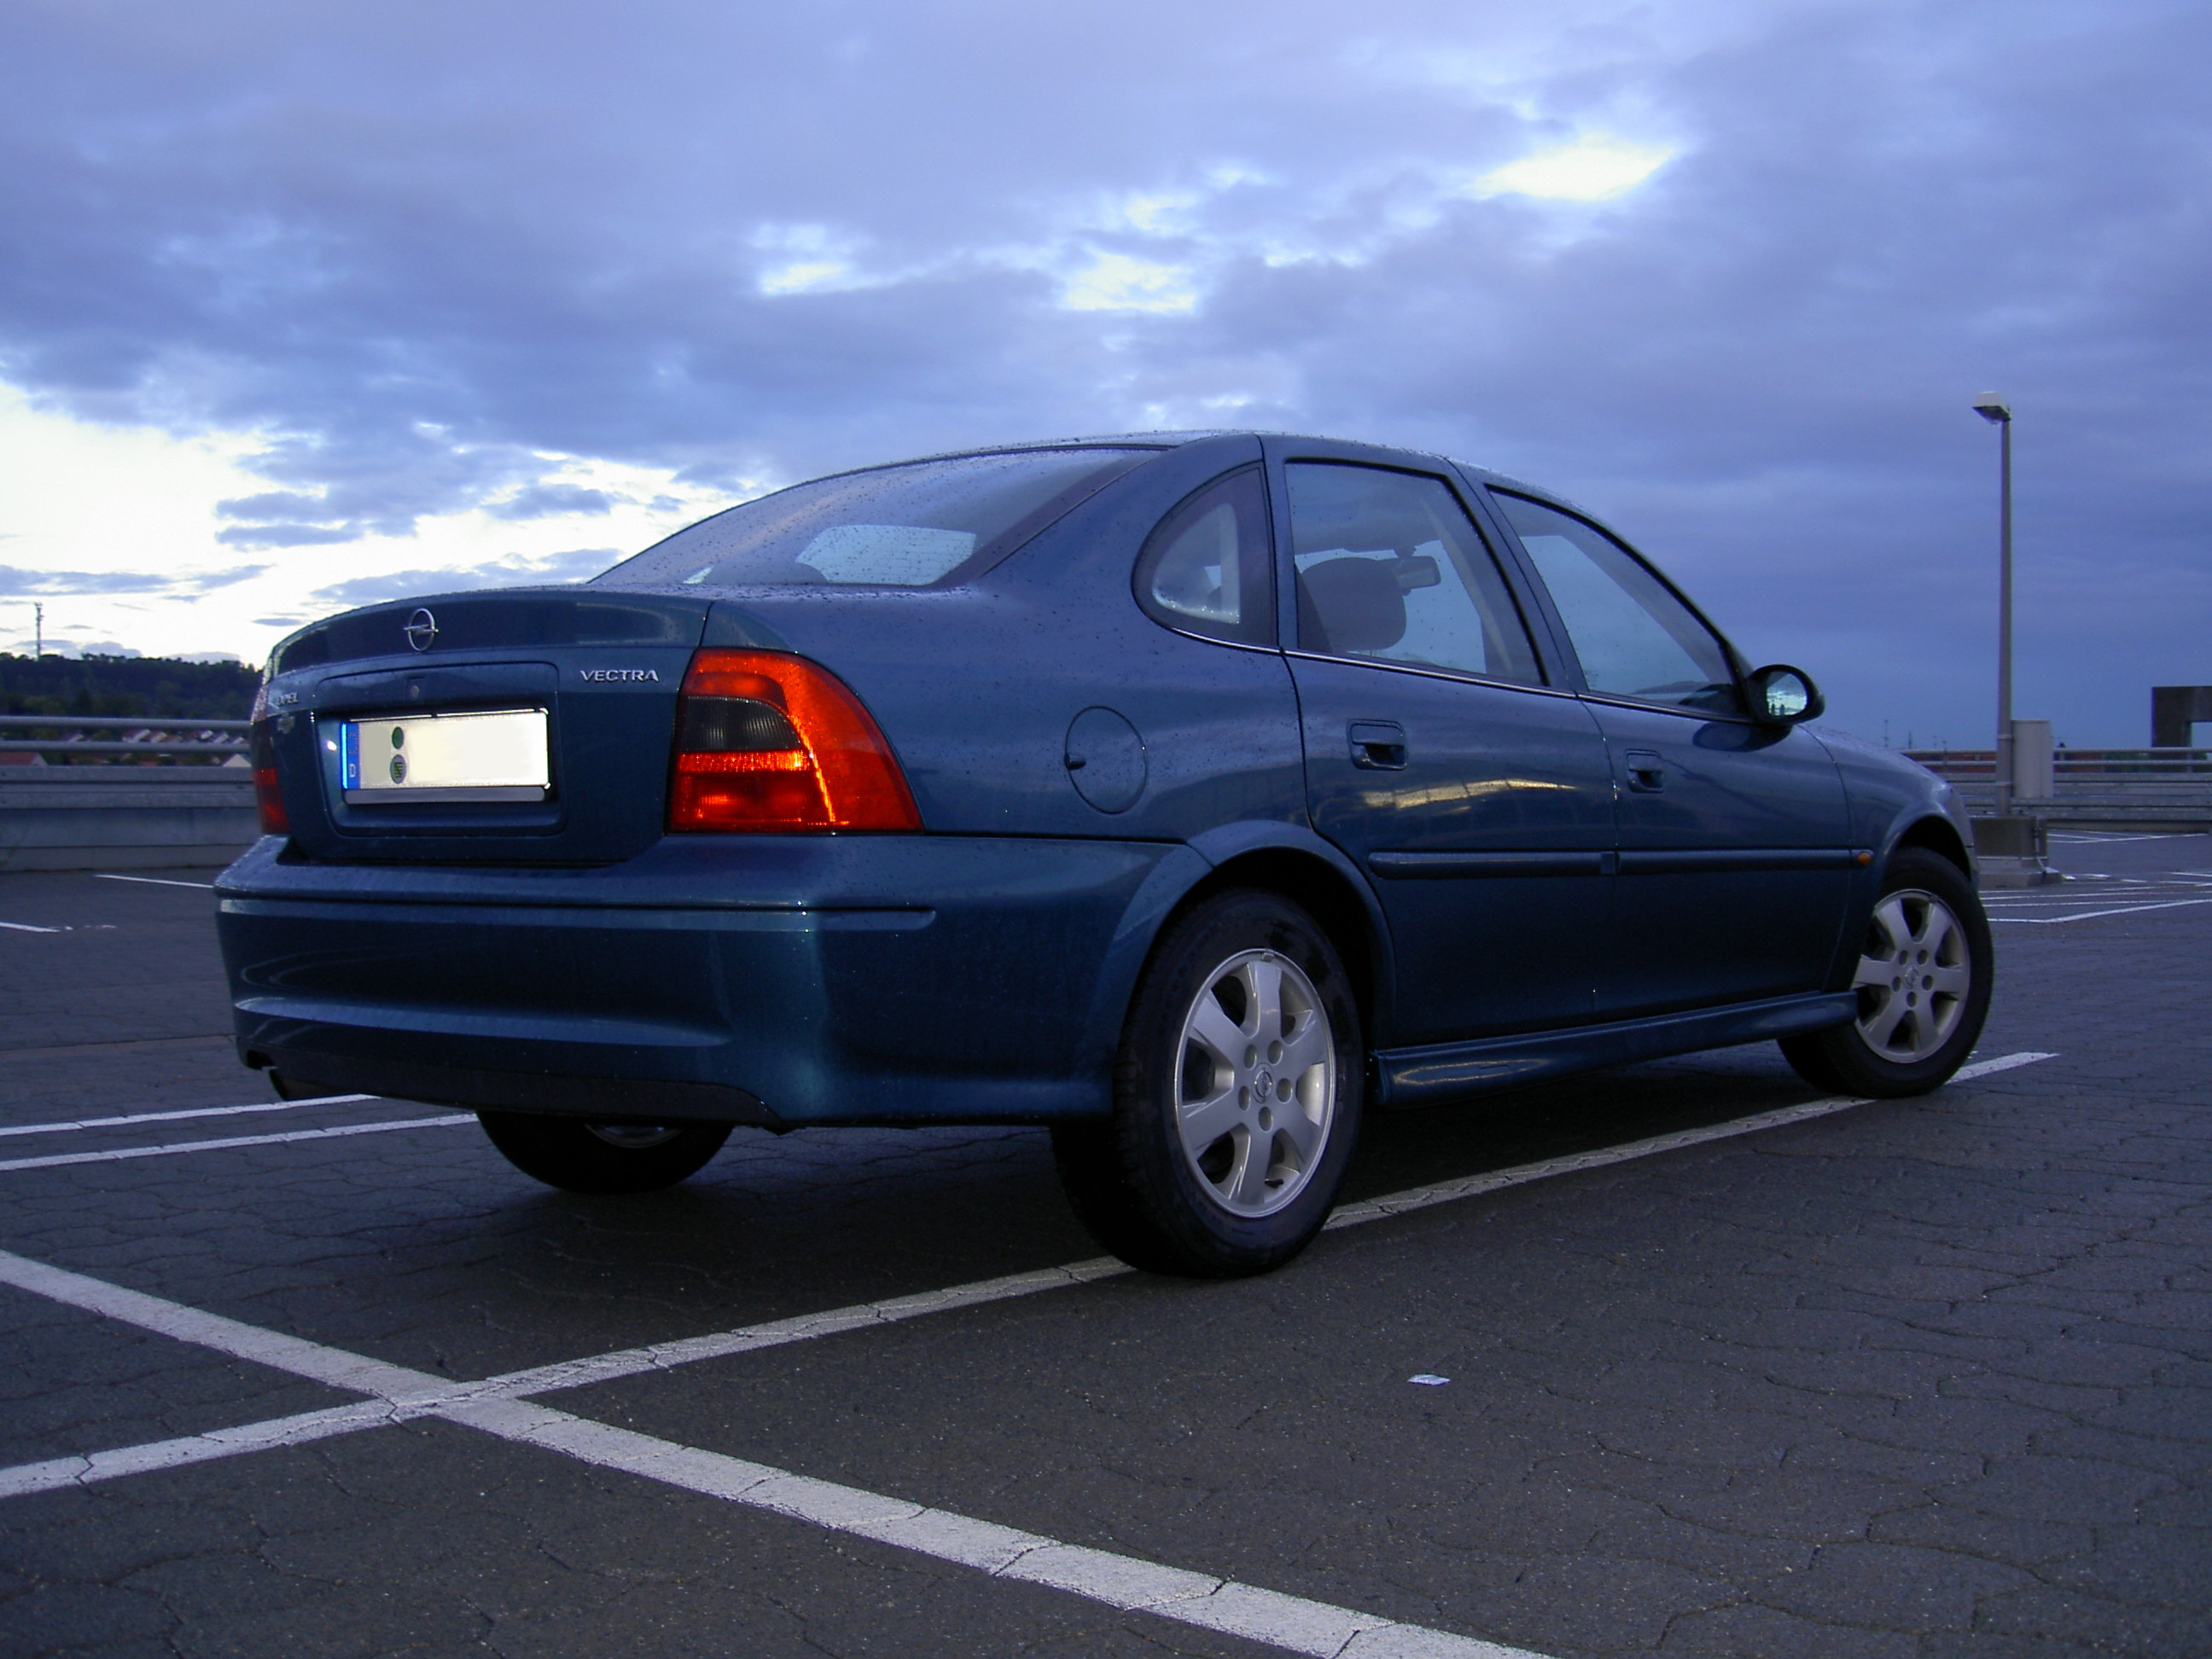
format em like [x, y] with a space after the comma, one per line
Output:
[1353, 606]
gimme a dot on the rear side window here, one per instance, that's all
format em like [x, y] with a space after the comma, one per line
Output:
[1207, 569]
[1633, 637]
[1390, 566]
[923, 524]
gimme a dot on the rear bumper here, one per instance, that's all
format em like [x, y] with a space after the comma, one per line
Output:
[780, 980]
[602, 1099]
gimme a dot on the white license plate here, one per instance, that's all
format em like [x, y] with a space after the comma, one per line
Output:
[497, 755]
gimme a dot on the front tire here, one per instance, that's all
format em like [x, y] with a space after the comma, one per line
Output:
[579, 1157]
[1237, 1096]
[1922, 982]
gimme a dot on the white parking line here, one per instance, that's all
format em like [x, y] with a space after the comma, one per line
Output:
[56, 1473]
[2092, 839]
[1290, 1622]
[2094, 889]
[155, 881]
[1128, 1583]
[2092, 915]
[805, 1327]
[511, 1385]
[76, 1124]
[496, 1406]
[26, 927]
[118, 1154]
[1419, 1198]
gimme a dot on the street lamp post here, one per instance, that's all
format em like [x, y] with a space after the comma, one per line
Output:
[1993, 408]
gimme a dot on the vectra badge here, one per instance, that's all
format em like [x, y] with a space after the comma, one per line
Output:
[628, 676]
[421, 628]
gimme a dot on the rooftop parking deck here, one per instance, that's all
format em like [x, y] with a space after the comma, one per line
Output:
[1676, 1359]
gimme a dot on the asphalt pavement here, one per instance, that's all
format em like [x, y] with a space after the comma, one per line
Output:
[1679, 1359]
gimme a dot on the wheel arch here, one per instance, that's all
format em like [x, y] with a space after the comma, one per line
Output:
[1930, 831]
[1939, 835]
[1333, 900]
[1280, 858]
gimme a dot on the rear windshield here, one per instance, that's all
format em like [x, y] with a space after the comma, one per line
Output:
[916, 525]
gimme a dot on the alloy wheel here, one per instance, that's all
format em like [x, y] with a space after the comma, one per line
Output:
[1255, 1082]
[1913, 976]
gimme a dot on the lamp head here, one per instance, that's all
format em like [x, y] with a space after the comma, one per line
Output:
[1992, 406]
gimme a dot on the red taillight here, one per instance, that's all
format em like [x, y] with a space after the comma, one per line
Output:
[767, 741]
[267, 797]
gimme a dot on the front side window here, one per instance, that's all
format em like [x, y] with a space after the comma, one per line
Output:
[1632, 635]
[1389, 566]
[916, 525]
[1205, 570]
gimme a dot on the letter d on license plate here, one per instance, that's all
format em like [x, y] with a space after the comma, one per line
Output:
[498, 755]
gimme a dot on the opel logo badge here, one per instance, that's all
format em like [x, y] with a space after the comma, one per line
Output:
[421, 628]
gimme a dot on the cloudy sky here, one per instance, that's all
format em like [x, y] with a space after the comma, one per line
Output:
[303, 306]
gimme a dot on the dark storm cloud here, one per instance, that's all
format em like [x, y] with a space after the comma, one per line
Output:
[426, 247]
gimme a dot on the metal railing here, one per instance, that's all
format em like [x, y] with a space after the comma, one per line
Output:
[150, 739]
[2090, 784]
[2075, 762]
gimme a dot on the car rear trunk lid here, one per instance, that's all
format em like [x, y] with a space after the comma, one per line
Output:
[592, 675]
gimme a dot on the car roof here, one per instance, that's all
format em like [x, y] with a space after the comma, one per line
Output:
[1177, 438]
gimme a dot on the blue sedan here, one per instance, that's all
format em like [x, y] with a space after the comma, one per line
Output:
[1192, 794]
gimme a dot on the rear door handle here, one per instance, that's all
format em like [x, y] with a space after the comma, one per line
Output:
[1378, 745]
[1646, 772]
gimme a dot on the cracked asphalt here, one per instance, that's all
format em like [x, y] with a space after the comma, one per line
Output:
[1926, 1378]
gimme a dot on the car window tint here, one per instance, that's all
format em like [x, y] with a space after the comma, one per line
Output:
[1634, 638]
[1205, 570]
[1390, 566]
[925, 523]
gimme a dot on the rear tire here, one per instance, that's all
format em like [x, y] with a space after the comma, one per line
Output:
[1923, 980]
[1237, 1096]
[579, 1157]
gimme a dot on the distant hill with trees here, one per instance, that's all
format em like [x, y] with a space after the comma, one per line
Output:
[159, 688]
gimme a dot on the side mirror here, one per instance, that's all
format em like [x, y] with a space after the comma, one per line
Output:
[1783, 696]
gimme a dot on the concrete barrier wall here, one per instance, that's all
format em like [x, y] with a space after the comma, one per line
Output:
[123, 817]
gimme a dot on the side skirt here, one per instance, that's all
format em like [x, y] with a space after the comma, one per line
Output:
[1443, 1072]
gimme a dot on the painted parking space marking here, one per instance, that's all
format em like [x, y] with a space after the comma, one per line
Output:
[120, 1154]
[56, 1473]
[666, 1356]
[2091, 838]
[1443, 1192]
[2092, 915]
[497, 1406]
[1291, 1623]
[2086, 892]
[1127, 1582]
[26, 927]
[157, 881]
[77, 1124]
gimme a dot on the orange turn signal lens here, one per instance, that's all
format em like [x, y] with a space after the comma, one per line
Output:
[767, 741]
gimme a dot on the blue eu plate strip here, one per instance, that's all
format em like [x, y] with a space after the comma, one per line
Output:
[350, 755]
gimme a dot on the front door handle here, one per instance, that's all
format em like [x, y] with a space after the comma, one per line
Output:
[1646, 772]
[1378, 745]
